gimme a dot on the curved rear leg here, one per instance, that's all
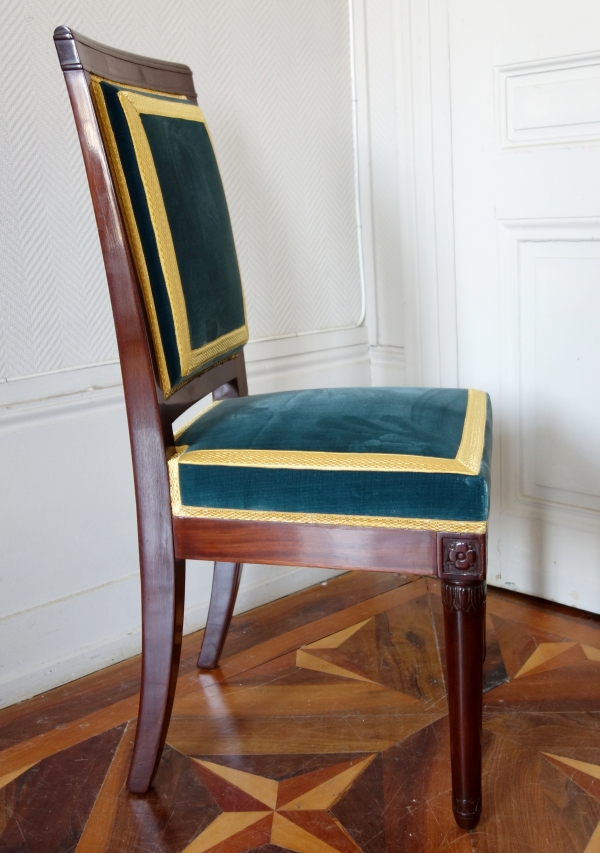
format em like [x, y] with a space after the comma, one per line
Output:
[226, 581]
[163, 601]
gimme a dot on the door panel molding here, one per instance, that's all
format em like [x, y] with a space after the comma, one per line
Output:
[549, 273]
[549, 102]
[424, 150]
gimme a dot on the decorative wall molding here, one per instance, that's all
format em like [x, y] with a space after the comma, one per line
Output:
[335, 367]
[303, 361]
[546, 266]
[424, 151]
[18, 390]
[385, 316]
[300, 345]
[387, 366]
[34, 414]
[549, 102]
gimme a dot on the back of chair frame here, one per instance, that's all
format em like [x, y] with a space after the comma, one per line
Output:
[150, 414]
[117, 77]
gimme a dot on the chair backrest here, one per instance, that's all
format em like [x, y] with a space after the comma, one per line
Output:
[172, 273]
[171, 201]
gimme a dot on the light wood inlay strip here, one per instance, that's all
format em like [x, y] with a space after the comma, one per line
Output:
[548, 622]
[32, 751]
[296, 735]
[96, 834]
[262, 789]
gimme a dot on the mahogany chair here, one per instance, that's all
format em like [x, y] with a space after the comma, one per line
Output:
[379, 479]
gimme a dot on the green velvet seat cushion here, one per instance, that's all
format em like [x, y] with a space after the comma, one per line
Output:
[360, 453]
[177, 220]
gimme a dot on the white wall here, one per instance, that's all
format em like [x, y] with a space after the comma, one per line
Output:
[276, 82]
[497, 143]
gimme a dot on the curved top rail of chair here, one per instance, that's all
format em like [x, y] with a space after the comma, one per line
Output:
[79, 52]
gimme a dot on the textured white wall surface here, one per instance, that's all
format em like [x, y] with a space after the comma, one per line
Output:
[273, 77]
[285, 86]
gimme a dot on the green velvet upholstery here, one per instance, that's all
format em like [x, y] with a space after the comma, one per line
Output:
[163, 162]
[361, 453]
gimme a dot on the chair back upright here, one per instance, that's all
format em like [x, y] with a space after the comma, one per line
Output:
[154, 397]
[164, 227]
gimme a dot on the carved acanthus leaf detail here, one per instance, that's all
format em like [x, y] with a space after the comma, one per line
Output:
[463, 598]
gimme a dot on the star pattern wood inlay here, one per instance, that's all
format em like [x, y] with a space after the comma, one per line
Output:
[323, 731]
[296, 816]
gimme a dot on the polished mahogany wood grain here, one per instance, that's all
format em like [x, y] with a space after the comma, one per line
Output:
[224, 380]
[161, 585]
[160, 668]
[79, 52]
[462, 569]
[464, 631]
[370, 549]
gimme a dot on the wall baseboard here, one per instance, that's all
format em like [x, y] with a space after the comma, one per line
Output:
[28, 677]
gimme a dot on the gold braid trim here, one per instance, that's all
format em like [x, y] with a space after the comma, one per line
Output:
[473, 437]
[114, 160]
[433, 524]
[324, 461]
[134, 102]
[467, 460]
[134, 105]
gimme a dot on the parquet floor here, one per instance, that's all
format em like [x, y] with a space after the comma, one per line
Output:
[323, 731]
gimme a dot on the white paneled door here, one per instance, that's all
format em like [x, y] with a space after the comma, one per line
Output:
[524, 96]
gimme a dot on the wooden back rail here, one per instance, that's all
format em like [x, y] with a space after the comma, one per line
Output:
[165, 543]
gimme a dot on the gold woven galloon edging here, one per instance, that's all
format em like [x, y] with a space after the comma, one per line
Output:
[136, 102]
[433, 524]
[135, 243]
[467, 460]
[134, 106]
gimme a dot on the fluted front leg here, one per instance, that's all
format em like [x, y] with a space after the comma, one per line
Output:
[462, 572]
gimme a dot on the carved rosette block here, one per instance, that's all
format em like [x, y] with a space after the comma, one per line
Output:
[461, 560]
